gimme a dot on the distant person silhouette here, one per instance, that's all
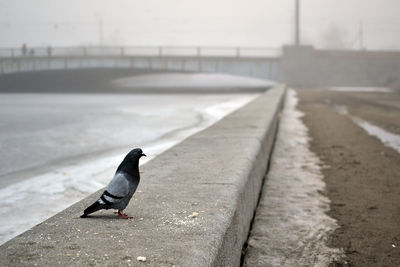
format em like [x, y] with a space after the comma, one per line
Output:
[49, 51]
[31, 52]
[24, 49]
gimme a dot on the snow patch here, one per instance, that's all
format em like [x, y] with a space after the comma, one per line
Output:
[291, 227]
[361, 89]
[387, 138]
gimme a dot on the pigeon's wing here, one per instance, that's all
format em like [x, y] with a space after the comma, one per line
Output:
[116, 190]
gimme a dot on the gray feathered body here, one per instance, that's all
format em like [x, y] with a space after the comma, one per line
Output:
[121, 188]
[122, 185]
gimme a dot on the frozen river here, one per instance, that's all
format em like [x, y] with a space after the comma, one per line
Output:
[58, 148]
[44, 131]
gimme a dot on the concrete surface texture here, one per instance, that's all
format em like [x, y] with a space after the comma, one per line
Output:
[291, 227]
[216, 173]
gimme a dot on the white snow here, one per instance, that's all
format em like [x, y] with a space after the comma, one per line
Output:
[294, 226]
[389, 139]
[360, 89]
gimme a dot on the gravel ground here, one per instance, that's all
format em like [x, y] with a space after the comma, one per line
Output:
[361, 173]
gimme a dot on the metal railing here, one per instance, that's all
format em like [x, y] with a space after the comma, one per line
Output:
[130, 51]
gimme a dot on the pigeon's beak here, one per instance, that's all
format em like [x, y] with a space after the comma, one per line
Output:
[143, 155]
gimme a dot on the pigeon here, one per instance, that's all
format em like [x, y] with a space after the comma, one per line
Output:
[119, 191]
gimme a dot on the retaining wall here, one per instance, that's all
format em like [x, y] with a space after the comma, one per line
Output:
[217, 173]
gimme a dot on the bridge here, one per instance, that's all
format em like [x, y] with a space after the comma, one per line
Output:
[251, 61]
[293, 65]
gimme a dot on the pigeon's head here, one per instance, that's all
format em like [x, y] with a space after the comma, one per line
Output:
[136, 153]
[131, 161]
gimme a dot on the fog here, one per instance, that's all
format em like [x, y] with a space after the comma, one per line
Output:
[267, 23]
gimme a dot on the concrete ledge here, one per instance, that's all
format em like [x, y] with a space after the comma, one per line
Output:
[217, 173]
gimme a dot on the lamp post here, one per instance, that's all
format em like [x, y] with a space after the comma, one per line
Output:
[101, 31]
[297, 23]
[100, 25]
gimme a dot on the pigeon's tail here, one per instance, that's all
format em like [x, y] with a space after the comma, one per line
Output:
[92, 208]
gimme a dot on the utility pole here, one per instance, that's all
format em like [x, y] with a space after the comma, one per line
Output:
[101, 31]
[361, 36]
[297, 23]
[100, 26]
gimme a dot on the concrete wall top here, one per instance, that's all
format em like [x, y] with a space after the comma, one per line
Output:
[216, 173]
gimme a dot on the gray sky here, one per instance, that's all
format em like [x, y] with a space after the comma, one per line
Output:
[267, 23]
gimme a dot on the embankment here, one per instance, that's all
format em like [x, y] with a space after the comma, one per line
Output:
[216, 174]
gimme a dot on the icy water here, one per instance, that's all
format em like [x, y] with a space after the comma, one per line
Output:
[38, 129]
[58, 148]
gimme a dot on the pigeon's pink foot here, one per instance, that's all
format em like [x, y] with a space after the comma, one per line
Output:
[123, 215]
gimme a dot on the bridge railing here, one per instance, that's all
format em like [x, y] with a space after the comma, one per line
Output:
[161, 51]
